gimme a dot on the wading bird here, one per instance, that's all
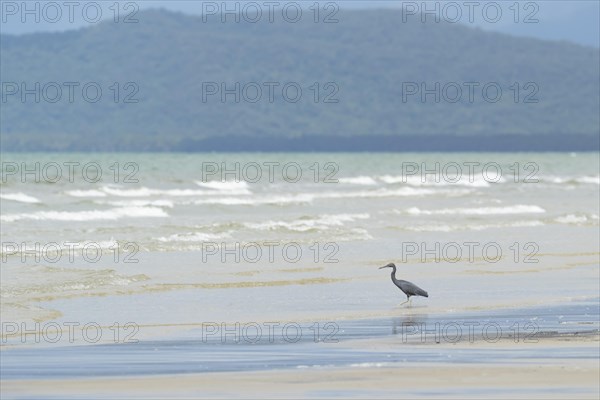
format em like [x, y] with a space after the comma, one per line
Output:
[409, 289]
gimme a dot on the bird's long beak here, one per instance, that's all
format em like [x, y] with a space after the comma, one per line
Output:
[385, 266]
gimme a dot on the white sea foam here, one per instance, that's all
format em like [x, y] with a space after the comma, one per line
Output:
[518, 209]
[473, 227]
[359, 180]
[258, 200]
[589, 179]
[138, 192]
[302, 198]
[393, 179]
[307, 224]
[358, 234]
[438, 180]
[20, 197]
[571, 219]
[85, 193]
[139, 203]
[227, 186]
[148, 192]
[93, 215]
[375, 193]
[370, 365]
[192, 237]
[576, 219]
[581, 179]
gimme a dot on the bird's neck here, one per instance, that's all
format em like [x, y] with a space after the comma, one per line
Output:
[393, 274]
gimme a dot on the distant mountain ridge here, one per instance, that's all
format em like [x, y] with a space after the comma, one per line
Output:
[365, 67]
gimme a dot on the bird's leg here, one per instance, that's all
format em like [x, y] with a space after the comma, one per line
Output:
[404, 302]
[409, 302]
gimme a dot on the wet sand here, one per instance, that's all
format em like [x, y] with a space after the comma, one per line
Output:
[376, 358]
[556, 379]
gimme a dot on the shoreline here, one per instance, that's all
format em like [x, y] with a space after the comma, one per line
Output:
[572, 331]
[575, 312]
[556, 379]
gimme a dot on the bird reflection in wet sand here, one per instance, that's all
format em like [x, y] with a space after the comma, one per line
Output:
[408, 324]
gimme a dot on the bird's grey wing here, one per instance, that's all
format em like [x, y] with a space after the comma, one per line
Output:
[413, 289]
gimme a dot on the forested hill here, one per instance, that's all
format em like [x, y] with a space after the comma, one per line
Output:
[360, 78]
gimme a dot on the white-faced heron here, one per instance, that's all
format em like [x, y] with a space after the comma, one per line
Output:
[409, 289]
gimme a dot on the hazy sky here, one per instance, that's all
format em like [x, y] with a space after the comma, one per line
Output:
[575, 21]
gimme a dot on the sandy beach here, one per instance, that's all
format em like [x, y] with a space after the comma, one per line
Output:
[549, 378]
[382, 358]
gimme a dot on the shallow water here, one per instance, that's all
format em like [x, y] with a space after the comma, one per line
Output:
[179, 264]
[305, 248]
[498, 337]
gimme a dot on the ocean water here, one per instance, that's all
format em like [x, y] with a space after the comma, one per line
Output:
[169, 242]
